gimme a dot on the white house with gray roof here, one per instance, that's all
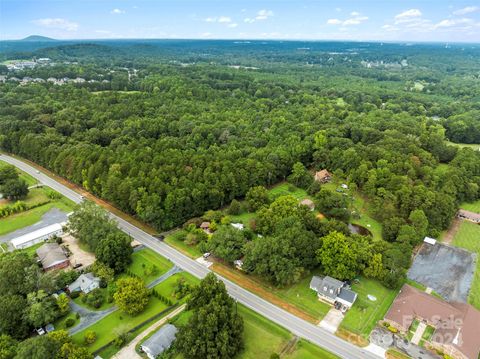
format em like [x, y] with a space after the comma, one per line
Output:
[85, 283]
[160, 341]
[333, 291]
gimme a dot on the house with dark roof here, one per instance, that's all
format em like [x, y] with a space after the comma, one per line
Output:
[52, 256]
[333, 291]
[457, 325]
[160, 341]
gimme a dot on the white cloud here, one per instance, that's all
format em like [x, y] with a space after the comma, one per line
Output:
[453, 22]
[356, 19]
[334, 22]
[338, 9]
[248, 20]
[408, 15]
[264, 14]
[57, 23]
[206, 34]
[224, 19]
[117, 11]
[466, 10]
[211, 19]
[232, 25]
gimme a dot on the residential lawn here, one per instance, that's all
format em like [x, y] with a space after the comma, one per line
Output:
[60, 322]
[32, 251]
[243, 217]
[167, 287]
[283, 189]
[365, 314]
[27, 218]
[174, 241]
[301, 296]
[468, 237]
[107, 327]
[263, 338]
[144, 259]
[472, 206]
[307, 350]
[428, 333]
[35, 196]
[105, 304]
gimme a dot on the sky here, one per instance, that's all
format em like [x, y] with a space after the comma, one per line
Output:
[360, 20]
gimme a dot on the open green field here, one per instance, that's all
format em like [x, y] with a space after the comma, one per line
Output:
[471, 206]
[283, 189]
[167, 287]
[302, 297]
[144, 259]
[27, 218]
[365, 314]
[263, 338]
[468, 237]
[474, 146]
[174, 241]
[35, 196]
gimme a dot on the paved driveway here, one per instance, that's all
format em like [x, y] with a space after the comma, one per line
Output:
[332, 320]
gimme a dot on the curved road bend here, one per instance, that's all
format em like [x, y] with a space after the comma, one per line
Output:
[297, 326]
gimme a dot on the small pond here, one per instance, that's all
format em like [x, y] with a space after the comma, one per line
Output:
[357, 229]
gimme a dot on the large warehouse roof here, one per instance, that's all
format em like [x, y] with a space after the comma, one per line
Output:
[36, 234]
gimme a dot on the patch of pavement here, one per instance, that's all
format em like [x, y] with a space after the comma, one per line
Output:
[51, 217]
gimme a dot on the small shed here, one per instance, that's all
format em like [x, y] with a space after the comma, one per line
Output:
[160, 341]
[430, 240]
[239, 226]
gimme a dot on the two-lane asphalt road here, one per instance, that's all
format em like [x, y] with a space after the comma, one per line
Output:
[296, 325]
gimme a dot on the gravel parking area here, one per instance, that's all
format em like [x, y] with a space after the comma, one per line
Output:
[79, 256]
[447, 270]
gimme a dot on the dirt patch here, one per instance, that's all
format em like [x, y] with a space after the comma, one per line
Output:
[257, 288]
[352, 337]
[78, 255]
[452, 231]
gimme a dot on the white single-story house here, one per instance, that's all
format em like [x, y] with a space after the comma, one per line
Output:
[333, 291]
[85, 283]
[160, 341]
[40, 235]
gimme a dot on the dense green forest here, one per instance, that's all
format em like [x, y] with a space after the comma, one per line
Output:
[188, 132]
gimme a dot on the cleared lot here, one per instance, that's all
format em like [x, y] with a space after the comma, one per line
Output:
[447, 270]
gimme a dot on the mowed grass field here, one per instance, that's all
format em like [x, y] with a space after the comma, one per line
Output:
[143, 260]
[365, 314]
[263, 338]
[27, 218]
[471, 206]
[468, 237]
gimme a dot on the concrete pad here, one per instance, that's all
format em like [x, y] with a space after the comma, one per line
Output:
[204, 262]
[376, 349]
[417, 336]
[332, 320]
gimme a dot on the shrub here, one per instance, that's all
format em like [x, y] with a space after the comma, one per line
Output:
[75, 294]
[392, 329]
[90, 337]
[70, 322]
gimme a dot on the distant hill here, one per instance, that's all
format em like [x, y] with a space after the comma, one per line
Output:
[37, 38]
